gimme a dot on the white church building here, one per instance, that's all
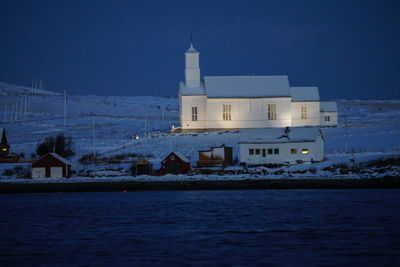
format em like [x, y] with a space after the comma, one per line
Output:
[235, 102]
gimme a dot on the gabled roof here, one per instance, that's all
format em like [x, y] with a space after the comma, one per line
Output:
[143, 161]
[246, 86]
[328, 106]
[58, 157]
[181, 156]
[304, 94]
[278, 135]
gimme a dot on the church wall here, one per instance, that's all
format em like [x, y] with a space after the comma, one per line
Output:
[312, 113]
[186, 103]
[333, 118]
[248, 112]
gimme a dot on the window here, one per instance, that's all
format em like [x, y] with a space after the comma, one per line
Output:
[226, 112]
[251, 151]
[303, 113]
[304, 151]
[264, 152]
[257, 151]
[194, 113]
[327, 118]
[271, 111]
[276, 151]
[269, 151]
[293, 151]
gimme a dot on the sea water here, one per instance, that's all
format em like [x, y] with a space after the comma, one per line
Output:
[251, 227]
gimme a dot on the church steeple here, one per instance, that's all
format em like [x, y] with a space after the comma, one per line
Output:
[192, 68]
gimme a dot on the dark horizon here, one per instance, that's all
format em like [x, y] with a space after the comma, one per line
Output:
[349, 49]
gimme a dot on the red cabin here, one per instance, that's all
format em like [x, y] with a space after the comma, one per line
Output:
[51, 165]
[174, 163]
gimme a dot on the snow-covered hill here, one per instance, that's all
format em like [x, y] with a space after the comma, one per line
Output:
[373, 127]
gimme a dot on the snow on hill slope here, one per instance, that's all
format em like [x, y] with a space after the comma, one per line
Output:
[373, 127]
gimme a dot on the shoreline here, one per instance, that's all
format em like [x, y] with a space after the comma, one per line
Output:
[248, 184]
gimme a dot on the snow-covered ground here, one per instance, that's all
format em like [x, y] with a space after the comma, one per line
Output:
[372, 131]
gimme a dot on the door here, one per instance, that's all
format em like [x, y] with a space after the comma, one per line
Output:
[56, 172]
[38, 172]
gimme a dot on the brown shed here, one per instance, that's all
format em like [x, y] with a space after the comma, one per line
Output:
[216, 156]
[175, 163]
[141, 167]
[51, 165]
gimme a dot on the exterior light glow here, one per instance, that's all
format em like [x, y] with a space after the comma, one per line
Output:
[304, 151]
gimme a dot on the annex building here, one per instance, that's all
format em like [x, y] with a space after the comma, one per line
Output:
[236, 102]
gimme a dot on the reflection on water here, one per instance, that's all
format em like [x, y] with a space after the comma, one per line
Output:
[293, 227]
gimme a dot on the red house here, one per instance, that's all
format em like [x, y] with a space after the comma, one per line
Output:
[174, 163]
[51, 165]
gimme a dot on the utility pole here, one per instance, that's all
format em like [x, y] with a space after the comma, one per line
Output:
[12, 111]
[94, 141]
[345, 135]
[26, 100]
[20, 108]
[145, 126]
[170, 143]
[16, 110]
[65, 107]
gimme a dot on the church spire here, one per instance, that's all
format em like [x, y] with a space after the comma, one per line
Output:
[192, 68]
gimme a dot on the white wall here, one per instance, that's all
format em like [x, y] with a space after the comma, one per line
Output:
[315, 152]
[333, 118]
[313, 113]
[248, 113]
[192, 70]
[186, 103]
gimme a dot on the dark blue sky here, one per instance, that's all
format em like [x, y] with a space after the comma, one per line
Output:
[350, 49]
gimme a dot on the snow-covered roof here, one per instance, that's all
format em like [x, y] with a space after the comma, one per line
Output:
[300, 94]
[277, 135]
[246, 86]
[181, 156]
[192, 49]
[191, 90]
[328, 106]
[60, 158]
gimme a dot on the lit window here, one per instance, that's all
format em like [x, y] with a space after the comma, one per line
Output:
[304, 151]
[194, 113]
[226, 112]
[327, 118]
[303, 113]
[251, 151]
[257, 151]
[293, 151]
[264, 152]
[271, 111]
[269, 151]
[276, 151]
[4, 149]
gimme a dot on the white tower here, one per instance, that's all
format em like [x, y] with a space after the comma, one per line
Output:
[192, 69]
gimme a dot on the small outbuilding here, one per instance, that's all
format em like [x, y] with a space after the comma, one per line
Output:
[216, 156]
[51, 165]
[281, 145]
[329, 114]
[141, 167]
[175, 163]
